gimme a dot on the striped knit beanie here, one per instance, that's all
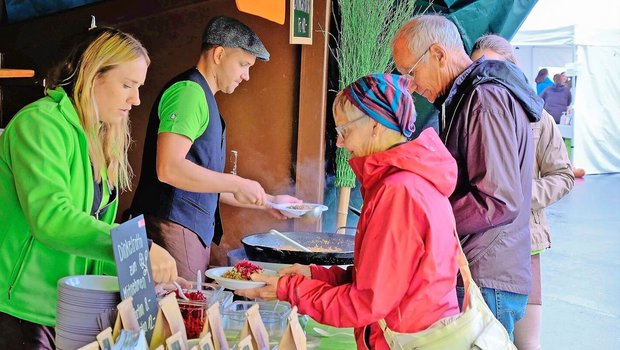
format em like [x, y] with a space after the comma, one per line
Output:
[384, 98]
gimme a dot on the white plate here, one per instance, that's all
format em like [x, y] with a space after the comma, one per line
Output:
[90, 283]
[232, 284]
[286, 210]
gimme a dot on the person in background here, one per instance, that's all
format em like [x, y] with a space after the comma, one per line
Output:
[553, 179]
[182, 179]
[486, 107]
[405, 267]
[557, 97]
[493, 47]
[542, 81]
[63, 162]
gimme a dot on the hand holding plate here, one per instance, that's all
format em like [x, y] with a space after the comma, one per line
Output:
[268, 292]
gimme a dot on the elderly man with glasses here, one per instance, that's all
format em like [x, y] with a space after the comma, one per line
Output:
[485, 110]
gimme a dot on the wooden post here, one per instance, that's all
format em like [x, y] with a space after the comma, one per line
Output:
[310, 166]
[343, 208]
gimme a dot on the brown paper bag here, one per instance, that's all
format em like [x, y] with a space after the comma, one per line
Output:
[90, 346]
[294, 337]
[169, 321]
[213, 324]
[105, 340]
[126, 318]
[175, 342]
[246, 343]
[206, 342]
[254, 325]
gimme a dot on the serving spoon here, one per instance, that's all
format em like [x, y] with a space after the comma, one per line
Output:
[180, 290]
[289, 240]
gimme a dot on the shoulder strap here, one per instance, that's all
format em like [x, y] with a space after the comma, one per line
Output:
[461, 259]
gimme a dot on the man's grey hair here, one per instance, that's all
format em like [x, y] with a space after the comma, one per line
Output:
[421, 32]
[496, 44]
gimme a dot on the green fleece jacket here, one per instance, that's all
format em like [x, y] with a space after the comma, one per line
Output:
[46, 230]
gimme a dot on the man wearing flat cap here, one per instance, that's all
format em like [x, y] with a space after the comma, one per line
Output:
[182, 179]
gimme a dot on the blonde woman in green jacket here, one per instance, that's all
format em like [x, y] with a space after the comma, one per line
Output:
[63, 160]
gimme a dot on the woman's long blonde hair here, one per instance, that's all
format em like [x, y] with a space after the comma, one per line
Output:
[101, 50]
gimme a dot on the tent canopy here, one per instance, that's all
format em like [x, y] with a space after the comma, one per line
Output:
[585, 39]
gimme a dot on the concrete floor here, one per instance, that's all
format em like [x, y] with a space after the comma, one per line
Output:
[581, 272]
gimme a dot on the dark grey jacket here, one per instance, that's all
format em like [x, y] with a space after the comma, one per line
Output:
[486, 116]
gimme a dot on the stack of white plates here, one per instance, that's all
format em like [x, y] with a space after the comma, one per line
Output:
[86, 306]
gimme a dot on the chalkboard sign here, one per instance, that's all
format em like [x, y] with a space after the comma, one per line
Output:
[131, 252]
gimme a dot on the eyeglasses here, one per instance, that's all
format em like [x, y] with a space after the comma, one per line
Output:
[411, 72]
[340, 130]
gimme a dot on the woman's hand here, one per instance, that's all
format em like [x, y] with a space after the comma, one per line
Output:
[163, 266]
[296, 269]
[268, 292]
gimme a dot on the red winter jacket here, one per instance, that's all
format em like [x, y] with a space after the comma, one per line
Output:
[405, 249]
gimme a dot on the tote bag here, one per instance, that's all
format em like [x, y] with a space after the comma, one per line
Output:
[474, 328]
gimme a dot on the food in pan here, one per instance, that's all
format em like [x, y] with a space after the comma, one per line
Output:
[314, 249]
[242, 271]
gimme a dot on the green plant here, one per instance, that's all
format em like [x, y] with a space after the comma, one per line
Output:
[365, 31]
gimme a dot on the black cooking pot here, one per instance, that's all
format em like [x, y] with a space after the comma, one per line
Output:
[267, 247]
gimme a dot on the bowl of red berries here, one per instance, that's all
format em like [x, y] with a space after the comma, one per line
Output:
[194, 311]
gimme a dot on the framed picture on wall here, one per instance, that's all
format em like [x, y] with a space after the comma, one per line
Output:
[301, 22]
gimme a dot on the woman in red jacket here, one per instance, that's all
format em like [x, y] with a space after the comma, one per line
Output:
[405, 250]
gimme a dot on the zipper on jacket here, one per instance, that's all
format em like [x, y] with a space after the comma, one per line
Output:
[19, 265]
[443, 116]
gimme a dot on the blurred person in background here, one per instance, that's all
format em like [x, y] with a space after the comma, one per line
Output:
[557, 97]
[542, 81]
[553, 179]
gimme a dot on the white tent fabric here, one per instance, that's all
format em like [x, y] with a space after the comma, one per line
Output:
[593, 39]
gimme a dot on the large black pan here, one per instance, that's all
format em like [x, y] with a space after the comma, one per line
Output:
[267, 247]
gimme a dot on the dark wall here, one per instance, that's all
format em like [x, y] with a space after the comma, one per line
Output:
[260, 115]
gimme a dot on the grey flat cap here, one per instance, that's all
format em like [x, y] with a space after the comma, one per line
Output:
[229, 32]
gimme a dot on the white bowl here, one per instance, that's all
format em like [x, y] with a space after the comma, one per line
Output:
[288, 209]
[232, 284]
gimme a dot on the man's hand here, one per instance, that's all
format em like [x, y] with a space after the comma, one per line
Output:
[163, 265]
[250, 192]
[268, 292]
[296, 269]
[280, 199]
